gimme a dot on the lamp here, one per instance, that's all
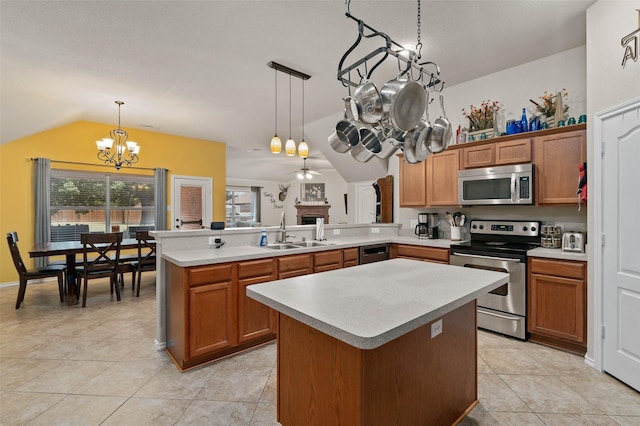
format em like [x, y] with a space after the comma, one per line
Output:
[290, 146]
[123, 152]
[304, 172]
[276, 143]
[303, 148]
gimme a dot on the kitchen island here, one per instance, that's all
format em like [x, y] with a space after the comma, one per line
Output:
[385, 343]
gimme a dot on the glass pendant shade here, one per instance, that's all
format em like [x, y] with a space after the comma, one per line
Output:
[276, 145]
[290, 148]
[303, 149]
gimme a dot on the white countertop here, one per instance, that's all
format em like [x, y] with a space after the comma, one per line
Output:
[557, 254]
[369, 305]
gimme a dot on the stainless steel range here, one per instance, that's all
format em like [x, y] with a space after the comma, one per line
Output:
[501, 246]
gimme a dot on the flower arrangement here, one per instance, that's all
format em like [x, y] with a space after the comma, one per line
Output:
[547, 104]
[481, 118]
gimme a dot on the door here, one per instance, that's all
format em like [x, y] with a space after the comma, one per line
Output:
[191, 202]
[365, 203]
[618, 133]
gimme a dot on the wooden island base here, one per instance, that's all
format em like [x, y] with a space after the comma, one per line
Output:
[412, 380]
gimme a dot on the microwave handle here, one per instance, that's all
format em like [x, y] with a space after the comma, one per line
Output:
[514, 189]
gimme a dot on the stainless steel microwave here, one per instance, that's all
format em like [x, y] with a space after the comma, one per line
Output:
[496, 185]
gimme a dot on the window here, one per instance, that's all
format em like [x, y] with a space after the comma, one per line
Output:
[242, 206]
[100, 202]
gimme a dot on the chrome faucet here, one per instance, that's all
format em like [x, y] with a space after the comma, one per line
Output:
[282, 232]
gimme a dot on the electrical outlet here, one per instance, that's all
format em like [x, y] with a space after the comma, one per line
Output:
[212, 240]
[414, 223]
[336, 232]
[436, 328]
[375, 230]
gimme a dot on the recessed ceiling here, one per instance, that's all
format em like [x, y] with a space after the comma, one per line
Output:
[199, 68]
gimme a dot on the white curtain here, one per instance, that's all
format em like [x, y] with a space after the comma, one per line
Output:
[42, 193]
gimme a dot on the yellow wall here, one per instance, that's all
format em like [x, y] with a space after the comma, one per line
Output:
[76, 142]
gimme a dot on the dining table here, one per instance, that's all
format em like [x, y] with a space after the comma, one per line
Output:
[70, 249]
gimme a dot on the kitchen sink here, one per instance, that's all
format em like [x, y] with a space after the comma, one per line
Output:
[296, 245]
[311, 244]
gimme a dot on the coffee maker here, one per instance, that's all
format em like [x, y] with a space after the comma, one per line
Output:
[427, 226]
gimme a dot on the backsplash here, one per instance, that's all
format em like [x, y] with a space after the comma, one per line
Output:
[566, 216]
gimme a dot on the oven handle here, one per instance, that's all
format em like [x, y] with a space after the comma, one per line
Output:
[503, 316]
[475, 256]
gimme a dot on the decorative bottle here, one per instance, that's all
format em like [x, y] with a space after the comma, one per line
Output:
[263, 238]
[525, 123]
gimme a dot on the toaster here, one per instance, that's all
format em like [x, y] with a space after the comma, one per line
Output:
[573, 241]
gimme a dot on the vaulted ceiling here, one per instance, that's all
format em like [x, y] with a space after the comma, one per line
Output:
[199, 68]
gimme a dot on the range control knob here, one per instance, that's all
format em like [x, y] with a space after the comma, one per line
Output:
[524, 228]
[481, 226]
[475, 226]
[533, 229]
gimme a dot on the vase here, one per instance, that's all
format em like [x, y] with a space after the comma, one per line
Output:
[559, 115]
[477, 135]
[551, 122]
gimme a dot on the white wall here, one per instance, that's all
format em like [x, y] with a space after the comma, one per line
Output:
[608, 84]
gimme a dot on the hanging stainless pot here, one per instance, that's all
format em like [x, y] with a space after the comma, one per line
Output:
[390, 140]
[415, 143]
[403, 103]
[442, 133]
[369, 145]
[344, 136]
[369, 103]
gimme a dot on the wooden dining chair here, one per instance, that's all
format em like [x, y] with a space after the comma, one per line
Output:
[146, 257]
[100, 259]
[25, 274]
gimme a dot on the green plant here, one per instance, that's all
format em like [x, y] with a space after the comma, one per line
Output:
[481, 118]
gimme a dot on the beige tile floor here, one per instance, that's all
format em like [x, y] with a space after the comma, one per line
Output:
[97, 365]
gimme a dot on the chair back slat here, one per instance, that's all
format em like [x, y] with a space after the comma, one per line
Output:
[100, 251]
[146, 248]
[12, 239]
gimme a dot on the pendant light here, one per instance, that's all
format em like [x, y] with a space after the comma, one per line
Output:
[303, 148]
[276, 143]
[290, 146]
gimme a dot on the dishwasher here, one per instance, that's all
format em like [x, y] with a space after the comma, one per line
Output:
[373, 253]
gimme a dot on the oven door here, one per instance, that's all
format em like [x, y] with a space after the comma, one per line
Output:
[510, 297]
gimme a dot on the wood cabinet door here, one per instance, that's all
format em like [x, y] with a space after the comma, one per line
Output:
[212, 318]
[442, 178]
[254, 319]
[327, 260]
[557, 158]
[295, 265]
[557, 307]
[478, 156]
[412, 184]
[350, 257]
[513, 152]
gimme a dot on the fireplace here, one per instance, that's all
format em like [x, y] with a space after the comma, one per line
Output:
[307, 214]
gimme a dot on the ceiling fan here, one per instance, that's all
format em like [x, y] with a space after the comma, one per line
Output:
[305, 172]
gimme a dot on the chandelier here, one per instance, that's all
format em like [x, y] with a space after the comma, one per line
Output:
[290, 147]
[116, 149]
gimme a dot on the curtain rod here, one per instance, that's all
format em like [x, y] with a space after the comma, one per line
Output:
[97, 165]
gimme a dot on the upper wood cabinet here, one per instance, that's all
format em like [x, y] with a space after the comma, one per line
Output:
[557, 157]
[412, 184]
[497, 154]
[442, 178]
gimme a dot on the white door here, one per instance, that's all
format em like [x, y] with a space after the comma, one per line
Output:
[191, 202]
[619, 132]
[365, 203]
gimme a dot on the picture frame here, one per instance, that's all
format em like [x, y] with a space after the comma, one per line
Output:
[312, 192]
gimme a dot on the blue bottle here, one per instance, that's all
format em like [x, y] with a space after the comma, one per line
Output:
[525, 123]
[263, 238]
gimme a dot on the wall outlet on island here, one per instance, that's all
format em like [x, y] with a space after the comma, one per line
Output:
[436, 328]
[414, 223]
[375, 230]
[336, 232]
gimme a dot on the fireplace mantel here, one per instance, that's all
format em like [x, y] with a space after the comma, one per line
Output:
[313, 210]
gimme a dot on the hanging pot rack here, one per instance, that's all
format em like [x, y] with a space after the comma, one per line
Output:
[407, 61]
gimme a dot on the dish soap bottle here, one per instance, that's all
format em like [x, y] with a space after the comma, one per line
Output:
[525, 123]
[263, 238]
